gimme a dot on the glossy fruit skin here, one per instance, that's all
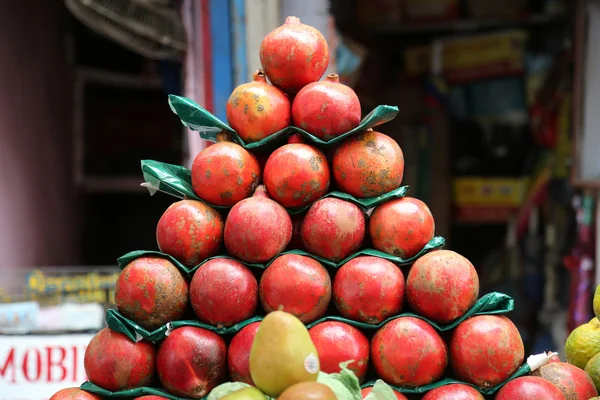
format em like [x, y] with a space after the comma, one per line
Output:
[326, 108]
[225, 173]
[190, 231]
[151, 291]
[257, 229]
[296, 241]
[223, 292]
[296, 175]
[408, 352]
[337, 342]
[368, 289]
[529, 388]
[453, 392]
[368, 164]
[238, 354]
[298, 285]
[573, 382]
[485, 350]
[333, 229]
[364, 392]
[74, 393]
[401, 227]
[308, 390]
[113, 362]
[442, 286]
[256, 110]
[191, 361]
[294, 55]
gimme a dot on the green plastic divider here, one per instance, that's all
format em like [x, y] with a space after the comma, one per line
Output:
[128, 394]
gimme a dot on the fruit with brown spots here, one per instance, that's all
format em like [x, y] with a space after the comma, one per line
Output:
[298, 285]
[338, 342]
[326, 109]
[256, 110]
[333, 229]
[296, 174]
[190, 231]
[442, 286]
[114, 362]
[257, 229]
[191, 361]
[486, 350]
[573, 382]
[74, 393]
[529, 388]
[368, 165]
[294, 55]
[151, 291]
[238, 354]
[365, 392]
[408, 352]
[401, 227]
[368, 289]
[453, 392]
[225, 173]
[223, 292]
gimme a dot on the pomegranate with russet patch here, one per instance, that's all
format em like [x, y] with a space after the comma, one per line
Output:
[529, 388]
[573, 382]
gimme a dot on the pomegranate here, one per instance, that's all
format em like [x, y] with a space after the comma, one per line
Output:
[364, 392]
[225, 173]
[326, 109]
[115, 363]
[337, 342]
[223, 292]
[74, 393]
[298, 285]
[486, 350]
[553, 358]
[296, 241]
[238, 354]
[529, 388]
[296, 174]
[151, 291]
[442, 286]
[333, 229]
[454, 392]
[191, 362]
[294, 55]
[190, 231]
[408, 352]
[401, 227]
[257, 229]
[368, 289]
[573, 382]
[257, 109]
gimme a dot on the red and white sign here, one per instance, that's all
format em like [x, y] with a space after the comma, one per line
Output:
[35, 367]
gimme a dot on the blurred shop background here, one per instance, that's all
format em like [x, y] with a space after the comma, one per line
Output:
[498, 123]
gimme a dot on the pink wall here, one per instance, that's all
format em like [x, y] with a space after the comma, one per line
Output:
[36, 191]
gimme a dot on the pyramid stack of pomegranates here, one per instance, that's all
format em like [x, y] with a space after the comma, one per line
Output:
[299, 206]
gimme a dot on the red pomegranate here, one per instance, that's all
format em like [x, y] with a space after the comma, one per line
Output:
[225, 173]
[294, 55]
[223, 292]
[364, 392]
[485, 350]
[368, 165]
[401, 227]
[529, 388]
[238, 354]
[442, 286]
[326, 108]
[553, 358]
[368, 289]
[454, 392]
[257, 110]
[115, 363]
[337, 342]
[191, 361]
[151, 291]
[296, 174]
[296, 241]
[298, 285]
[74, 393]
[257, 229]
[190, 231]
[333, 229]
[408, 352]
[573, 382]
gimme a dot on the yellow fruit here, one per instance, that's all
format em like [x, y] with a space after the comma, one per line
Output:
[249, 393]
[597, 302]
[308, 391]
[282, 354]
[594, 321]
[582, 344]
[593, 370]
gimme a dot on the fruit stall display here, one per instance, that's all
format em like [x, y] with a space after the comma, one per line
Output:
[295, 266]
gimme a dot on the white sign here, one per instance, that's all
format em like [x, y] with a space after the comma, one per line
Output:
[35, 367]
